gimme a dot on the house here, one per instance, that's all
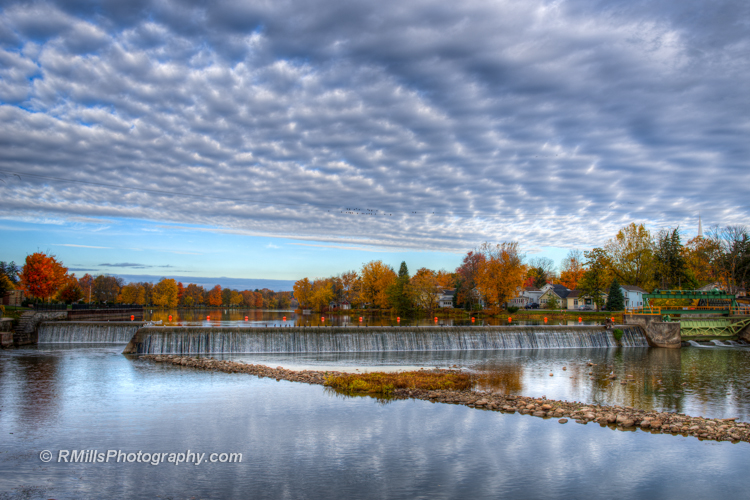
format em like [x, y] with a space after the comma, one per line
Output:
[333, 305]
[633, 296]
[13, 298]
[560, 292]
[445, 298]
[526, 295]
[577, 300]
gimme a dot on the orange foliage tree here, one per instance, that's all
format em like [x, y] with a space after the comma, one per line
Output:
[214, 296]
[502, 273]
[42, 275]
[572, 269]
[376, 277]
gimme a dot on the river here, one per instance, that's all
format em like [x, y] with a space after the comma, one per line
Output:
[301, 441]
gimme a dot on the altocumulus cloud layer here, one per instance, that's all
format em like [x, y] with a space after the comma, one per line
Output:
[547, 122]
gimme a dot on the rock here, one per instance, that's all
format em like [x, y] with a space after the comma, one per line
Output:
[529, 407]
[589, 416]
[645, 423]
[546, 407]
[481, 402]
[627, 423]
[565, 368]
[539, 414]
[655, 424]
[563, 420]
[611, 418]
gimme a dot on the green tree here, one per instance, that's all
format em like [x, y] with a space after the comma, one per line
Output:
[398, 291]
[597, 276]
[615, 298]
[552, 302]
[671, 268]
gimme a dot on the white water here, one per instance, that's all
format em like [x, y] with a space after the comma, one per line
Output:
[376, 339]
[87, 332]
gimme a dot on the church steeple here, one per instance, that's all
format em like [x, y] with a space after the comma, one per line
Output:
[700, 226]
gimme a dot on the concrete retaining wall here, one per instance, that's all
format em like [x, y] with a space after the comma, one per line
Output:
[658, 333]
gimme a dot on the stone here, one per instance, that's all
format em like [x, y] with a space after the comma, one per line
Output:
[655, 424]
[546, 407]
[611, 418]
[645, 423]
[563, 420]
[539, 414]
[481, 402]
[589, 416]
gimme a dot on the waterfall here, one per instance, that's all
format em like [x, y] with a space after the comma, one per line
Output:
[95, 332]
[211, 340]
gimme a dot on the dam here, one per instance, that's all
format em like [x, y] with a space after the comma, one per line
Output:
[214, 340]
[87, 332]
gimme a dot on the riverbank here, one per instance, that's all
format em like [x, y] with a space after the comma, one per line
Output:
[614, 417]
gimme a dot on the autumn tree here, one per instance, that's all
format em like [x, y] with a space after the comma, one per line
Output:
[132, 293]
[597, 277]
[733, 243]
[71, 292]
[8, 277]
[466, 277]
[86, 282]
[502, 273]
[42, 275]
[166, 293]
[424, 289]
[106, 288]
[303, 292]
[235, 299]
[572, 269]
[376, 277]
[631, 256]
[180, 292]
[321, 294]
[214, 296]
[193, 295]
[445, 279]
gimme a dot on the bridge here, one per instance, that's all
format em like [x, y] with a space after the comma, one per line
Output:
[712, 327]
[709, 302]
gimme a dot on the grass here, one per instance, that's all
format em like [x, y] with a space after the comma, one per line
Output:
[383, 384]
[617, 333]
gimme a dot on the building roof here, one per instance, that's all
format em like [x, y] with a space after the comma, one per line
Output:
[573, 294]
[449, 293]
[561, 291]
[532, 289]
[633, 288]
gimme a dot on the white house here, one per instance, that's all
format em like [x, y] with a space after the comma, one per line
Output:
[633, 296]
[445, 299]
[559, 291]
[526, 295]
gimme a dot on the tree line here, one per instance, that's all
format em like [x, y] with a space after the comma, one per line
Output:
[44, 278]
[492, 274]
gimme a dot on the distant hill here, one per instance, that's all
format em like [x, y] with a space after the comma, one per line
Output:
[234, 283]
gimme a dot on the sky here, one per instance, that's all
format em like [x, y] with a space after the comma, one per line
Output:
[283, 139]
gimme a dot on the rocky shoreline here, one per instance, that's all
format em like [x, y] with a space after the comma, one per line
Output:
[616, 417]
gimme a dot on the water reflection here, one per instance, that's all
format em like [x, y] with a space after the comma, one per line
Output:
[255, 317]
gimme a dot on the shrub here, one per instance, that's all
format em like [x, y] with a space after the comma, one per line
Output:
[513, 309]
[384, 383]
[617, 334]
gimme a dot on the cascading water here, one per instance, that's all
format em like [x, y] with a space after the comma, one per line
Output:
[194, 340]
[65, 332]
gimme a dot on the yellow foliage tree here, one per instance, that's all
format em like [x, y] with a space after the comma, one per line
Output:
[321, 294]
[502, 273]
[303, 292]
[132, 293]
[631, 253]
[423, 288]
[165, 293]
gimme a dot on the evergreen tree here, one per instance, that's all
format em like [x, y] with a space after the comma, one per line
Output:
[398, 291]
[615, 300]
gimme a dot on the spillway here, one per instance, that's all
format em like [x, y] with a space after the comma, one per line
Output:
[87, 332]
[214, 340]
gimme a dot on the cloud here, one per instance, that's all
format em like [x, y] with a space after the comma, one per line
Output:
[77, 246]
[135, 266]
[271, 245]
[444, 124]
